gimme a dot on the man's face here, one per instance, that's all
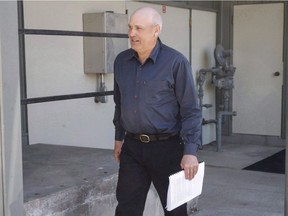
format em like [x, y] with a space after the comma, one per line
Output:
[142, 33]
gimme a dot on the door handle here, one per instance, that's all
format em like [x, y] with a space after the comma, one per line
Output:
[277, 73]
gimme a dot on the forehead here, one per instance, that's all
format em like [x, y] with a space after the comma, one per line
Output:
[140, 19]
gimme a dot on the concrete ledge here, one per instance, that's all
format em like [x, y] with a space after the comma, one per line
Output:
[87, 199]
[94, 200]
[254, 140]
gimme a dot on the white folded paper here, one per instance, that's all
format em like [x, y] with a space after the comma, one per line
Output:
[182, 190]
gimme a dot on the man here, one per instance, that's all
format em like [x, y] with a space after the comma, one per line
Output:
[156, 114]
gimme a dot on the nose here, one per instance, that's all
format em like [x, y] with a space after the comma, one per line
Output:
[131, 32]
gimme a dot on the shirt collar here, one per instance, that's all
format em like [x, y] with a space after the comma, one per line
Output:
[154, 53]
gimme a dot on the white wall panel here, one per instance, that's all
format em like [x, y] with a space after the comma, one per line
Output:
[64, 15]
[203, 45]
[55, 67]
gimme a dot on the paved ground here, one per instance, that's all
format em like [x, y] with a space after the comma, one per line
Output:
[228, 190]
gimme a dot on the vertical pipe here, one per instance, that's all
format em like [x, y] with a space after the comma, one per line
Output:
[219, 126]
[219, 39]
[219, 131]
[201, 81]
[22, 69]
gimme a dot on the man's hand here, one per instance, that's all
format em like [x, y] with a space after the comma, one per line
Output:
[117, 150]
[190, 165]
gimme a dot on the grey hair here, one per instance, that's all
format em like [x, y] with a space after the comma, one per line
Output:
[156, 17]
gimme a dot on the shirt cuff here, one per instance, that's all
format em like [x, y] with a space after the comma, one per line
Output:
[190, 149]
[119, 134]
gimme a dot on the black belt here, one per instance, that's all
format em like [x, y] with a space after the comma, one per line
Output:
[146, 138]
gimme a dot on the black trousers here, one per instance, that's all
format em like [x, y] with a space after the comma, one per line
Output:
[141, 164]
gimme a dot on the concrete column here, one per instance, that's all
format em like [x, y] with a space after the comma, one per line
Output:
[11, 148]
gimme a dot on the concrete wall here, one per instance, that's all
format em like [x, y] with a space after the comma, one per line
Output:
[11, 157]
[55, 67]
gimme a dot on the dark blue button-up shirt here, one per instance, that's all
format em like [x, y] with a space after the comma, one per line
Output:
[156, 97]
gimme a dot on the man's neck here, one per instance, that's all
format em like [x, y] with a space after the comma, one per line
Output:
[145, 55]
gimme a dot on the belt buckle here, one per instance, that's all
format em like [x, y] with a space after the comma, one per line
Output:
[144, 138]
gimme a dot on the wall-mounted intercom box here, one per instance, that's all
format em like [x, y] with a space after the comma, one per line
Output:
[100, 52]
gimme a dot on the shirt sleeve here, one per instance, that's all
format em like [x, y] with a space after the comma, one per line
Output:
[190, 112]
[119, 130]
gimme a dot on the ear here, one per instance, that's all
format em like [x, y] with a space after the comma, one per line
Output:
[157, 32]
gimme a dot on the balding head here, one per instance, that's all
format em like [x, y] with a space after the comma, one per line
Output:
[144, 29]
[149, 13]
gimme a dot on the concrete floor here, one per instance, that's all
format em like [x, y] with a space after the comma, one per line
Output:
[62, 180]
[230, 191]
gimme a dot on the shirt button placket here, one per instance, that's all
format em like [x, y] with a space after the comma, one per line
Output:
[138, 83]
[136, 96]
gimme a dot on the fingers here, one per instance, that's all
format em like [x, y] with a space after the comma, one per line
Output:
[190, 172]
[117, 150]
[190, 165]
[117, 156]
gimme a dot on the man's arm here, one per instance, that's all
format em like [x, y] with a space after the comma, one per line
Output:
[191, 117]
[119, 130]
